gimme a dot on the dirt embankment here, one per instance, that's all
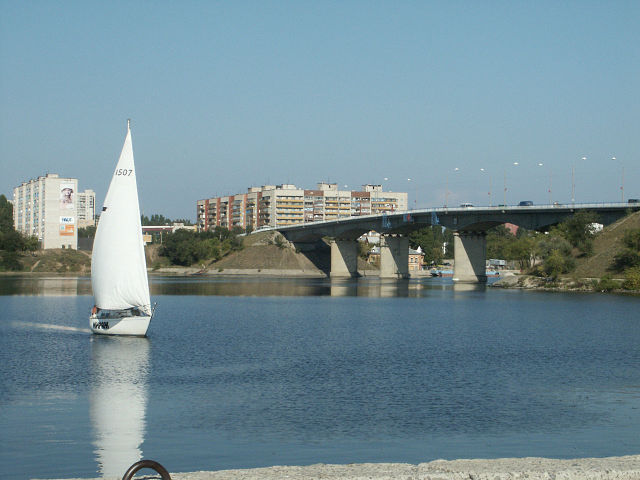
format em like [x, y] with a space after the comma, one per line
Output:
[57, 261]
[270, 251]
[606, 245]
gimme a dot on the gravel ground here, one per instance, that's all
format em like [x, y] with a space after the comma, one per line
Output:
[618, 468]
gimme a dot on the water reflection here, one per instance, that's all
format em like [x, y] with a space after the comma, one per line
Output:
[47, 286]
[469, 287]
[244, 286]
[230, 286]
[295, 287]
[118, 401]
[373, 288]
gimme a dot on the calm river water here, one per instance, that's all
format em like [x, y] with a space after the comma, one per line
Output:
[259, 372]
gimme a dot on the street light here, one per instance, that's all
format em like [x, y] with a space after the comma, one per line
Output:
[483, 170]
[573, 181]
[621, 180]
[540, 164]
[446, 189]
[415, 194]
[504, 194]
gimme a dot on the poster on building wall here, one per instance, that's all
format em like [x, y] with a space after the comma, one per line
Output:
[66, 196]
[67, 226]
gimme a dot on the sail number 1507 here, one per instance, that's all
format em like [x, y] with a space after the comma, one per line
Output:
[124, 171]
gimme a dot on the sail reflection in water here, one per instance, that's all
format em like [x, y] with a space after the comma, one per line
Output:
[118, 401]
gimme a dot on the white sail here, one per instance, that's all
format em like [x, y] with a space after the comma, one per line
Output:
[118, 266]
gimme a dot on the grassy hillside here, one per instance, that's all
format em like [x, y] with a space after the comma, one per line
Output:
[606, 245]
[57, 261]
[270, 251]
[262, 251]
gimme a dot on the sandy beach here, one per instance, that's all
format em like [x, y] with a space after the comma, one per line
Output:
[619, 468]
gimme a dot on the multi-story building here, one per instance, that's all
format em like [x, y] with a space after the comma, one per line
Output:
[86, 208]
[278, 205]
[46, 208]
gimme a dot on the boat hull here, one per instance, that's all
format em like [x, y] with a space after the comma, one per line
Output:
[133, 326]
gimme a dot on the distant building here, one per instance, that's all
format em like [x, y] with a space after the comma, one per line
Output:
[86, 208]
[148, 231]
[46, 208]
[512, 228]
[416, 258]
[286, 204]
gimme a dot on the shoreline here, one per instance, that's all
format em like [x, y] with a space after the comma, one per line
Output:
[533, 468]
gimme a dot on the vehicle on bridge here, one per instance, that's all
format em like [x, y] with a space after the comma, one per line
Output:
[525, 203]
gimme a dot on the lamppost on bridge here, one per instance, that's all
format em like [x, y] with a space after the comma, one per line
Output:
[573, 181]
[446, 188]
[415, 195]
[483, 170]
[540, 164]
[621, 179]
[504, 193]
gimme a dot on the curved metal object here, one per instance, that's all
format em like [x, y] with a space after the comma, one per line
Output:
[128, 475]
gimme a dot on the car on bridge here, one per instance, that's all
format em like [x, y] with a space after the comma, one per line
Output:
[525, 203]
[466, 205]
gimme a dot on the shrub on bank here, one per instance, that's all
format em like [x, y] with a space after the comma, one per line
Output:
[632, 279]
[606, 284]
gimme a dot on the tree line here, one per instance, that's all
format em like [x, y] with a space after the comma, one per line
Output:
[154, 219]
[12, 242]
[186, 247]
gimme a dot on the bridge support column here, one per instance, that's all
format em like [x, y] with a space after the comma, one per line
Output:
[344, 258]
[394, 257]
[470, 256]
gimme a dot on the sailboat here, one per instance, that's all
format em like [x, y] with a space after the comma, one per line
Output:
[118, 266]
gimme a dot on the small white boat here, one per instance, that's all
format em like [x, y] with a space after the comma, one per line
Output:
[118, 266]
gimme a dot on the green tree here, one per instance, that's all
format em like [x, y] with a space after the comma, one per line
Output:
[632, 278]
[156, 219]
[6, 214]
[12, 242]
[364, 248]
[578, 231]
[87, 232]
[186, 247]
[431, 240]
[629, 257]
[184, 221]
[555, 252]
[522, 250]
[499, 241]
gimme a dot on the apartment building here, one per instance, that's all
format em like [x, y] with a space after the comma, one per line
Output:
[286, 204]
[50, 208]
[86, 207]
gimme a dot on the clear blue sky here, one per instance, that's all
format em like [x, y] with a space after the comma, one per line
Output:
[225, 95]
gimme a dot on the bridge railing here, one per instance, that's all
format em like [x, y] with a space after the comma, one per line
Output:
[448, 210]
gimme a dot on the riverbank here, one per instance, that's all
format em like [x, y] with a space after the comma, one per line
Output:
[564, 284]
[619, 468]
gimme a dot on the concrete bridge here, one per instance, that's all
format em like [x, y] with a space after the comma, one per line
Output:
[469, 225]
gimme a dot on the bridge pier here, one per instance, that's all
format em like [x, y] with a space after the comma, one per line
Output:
[470, 255]
[394, 257]
[344, 258]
